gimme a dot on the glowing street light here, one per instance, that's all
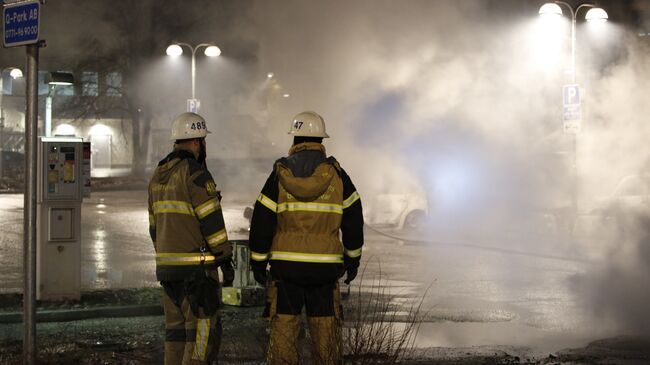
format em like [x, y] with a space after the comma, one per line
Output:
[15, 73]
[594, 14]
[550, 10]
[176, 50]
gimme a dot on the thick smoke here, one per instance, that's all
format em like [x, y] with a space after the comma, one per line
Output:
[451, 100]
[616, 288]
[437, 97]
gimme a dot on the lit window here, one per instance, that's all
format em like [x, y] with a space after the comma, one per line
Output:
[89, 83]
[7, 83]
[114, 84]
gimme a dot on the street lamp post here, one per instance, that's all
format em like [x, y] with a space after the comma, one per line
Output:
[176, 50]
[14, 73]
[594, 14]
[54, 79]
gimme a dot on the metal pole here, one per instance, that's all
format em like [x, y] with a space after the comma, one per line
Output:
[2, 124]
[193, 70]
[29, 247]
[575, 135]
[573, 46]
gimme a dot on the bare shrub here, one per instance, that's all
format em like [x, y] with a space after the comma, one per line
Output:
[379, 330]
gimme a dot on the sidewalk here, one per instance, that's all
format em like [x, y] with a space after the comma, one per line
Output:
[126, 327]
[116, 327]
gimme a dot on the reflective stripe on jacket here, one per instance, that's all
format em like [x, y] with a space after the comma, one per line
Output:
[184, 216]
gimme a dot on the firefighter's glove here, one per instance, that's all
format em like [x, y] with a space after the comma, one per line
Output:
[228, 273]
[259, 272]
[351, 274]
[351, 267]
[202, 292]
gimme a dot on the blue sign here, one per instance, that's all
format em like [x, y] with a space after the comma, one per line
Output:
[21, 23]
[193, 105]
[571, 94]
[571, 109]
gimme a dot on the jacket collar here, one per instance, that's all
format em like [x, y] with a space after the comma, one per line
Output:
[307, 146]
[177, 153]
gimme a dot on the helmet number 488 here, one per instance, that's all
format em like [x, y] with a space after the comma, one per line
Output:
[198, 126]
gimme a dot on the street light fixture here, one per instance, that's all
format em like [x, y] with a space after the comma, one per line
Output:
[176, 50]
[594, 14]
[550, 10]
[597, 15]
[59, 79]
[15, 73]
[54, 79]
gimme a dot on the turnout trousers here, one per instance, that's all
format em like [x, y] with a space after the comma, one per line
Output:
[189, 339]
[322, 304]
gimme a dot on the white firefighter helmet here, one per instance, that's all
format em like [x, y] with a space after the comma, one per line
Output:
[308, 124]
[189, 125]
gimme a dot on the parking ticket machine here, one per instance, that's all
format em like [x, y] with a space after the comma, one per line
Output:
[59, 196]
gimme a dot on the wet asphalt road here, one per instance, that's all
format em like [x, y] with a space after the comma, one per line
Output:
[507, 291]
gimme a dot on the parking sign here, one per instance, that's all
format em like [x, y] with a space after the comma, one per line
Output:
[193, 105]
[571, 110]
[21, 23]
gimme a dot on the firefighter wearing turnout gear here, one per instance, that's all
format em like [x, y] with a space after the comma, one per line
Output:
[305, 203]
[189, 236]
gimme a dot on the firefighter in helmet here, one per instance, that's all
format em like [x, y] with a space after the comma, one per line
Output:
[189, 236]
[305, 203]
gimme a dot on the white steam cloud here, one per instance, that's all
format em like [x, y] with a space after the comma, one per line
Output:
[453, 99]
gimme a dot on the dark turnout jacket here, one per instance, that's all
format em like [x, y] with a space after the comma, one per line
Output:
[185, 215]
[307, 221]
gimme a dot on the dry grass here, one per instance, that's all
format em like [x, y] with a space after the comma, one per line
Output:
[380, 332]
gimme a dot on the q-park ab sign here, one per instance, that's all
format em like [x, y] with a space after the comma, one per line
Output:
[571, 111]
[21, 23]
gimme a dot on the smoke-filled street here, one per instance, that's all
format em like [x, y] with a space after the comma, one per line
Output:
[474, 292]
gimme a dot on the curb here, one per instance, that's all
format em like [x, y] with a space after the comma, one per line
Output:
[87, 313]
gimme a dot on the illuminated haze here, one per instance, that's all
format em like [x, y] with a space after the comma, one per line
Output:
[462, 100]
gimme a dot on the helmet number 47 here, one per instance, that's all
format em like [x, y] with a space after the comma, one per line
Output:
[297, 124]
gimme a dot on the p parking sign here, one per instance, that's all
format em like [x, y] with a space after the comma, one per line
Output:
[21, 23]
[193, 105]
[571, 109]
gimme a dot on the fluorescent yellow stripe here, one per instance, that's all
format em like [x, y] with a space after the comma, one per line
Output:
[217, 238]
[182, 258]
[353, 253]
[351, 199]
[201, 341]
[259, 256]
[172, 206]
[306, 257]
[268, 202]
[310, 207]
[206, 208]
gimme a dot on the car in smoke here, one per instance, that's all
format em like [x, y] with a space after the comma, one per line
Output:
[611, 214]
[398, 210]
[631, 195]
